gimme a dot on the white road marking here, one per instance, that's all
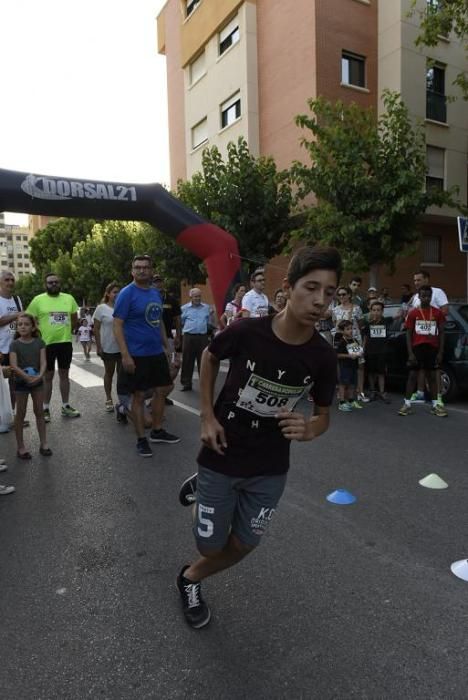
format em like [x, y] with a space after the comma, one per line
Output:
[83, 378]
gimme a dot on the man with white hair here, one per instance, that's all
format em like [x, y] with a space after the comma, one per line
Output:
[195, 321]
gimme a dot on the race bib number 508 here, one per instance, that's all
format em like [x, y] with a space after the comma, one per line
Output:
[265, 398]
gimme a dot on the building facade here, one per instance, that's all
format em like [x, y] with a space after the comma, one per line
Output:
[248, 68]
[14, 249]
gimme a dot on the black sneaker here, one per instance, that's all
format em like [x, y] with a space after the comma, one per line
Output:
[143, 448]
[168, 402]
[188, 490]
[196, 611]
[163, 436]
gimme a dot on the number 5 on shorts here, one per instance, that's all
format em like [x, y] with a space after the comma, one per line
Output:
[205, 525]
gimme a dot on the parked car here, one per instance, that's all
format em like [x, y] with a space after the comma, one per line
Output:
[454, 369]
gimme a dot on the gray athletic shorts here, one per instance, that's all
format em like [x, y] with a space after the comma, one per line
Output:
[243, 506]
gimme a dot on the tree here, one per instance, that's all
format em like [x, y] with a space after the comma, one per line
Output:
[170, 259]
[105, 254]
[246, 196]
[28, 286]
[368, 177]
[440, 18]
[57, 237]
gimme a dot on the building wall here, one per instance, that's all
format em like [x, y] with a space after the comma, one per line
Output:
[14, 249]
[234, 71]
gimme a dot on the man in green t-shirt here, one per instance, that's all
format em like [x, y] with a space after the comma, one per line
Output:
[56, 315]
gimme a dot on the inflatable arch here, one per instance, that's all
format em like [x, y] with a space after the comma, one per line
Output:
[60, 196]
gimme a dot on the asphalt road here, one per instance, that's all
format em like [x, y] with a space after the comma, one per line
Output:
[338, 602]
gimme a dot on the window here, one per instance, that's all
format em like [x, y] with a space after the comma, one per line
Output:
[20, 264]
[229, 35]
[25, 238]
[200, 133]
[436, 101]
[230, 110]
[191, 5]
[26, 255]
[432, 249]
[19, 255]
[435, 160]
[197, 68]
[18, 238]
[353, 69]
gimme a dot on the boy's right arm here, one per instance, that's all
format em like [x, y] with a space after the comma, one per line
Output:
[212, 433]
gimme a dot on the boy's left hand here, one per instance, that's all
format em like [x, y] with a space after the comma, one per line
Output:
[295, 426]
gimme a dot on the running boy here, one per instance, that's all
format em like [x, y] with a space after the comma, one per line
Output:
[425, 343]
[246, 435]
[348, 352]
[375, 335]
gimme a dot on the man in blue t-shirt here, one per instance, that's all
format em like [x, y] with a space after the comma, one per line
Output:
[142, 341]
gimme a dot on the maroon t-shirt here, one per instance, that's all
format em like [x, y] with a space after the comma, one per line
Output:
[265, 376]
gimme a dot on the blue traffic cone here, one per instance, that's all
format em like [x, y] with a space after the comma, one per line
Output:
[341, 497]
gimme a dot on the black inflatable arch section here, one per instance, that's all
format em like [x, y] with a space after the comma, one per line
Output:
[29, 193]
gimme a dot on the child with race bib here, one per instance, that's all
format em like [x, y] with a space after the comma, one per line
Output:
[28, 363]
[348, 351]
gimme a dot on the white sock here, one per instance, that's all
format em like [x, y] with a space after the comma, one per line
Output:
[407, 402]
[434, 402]
[45, 406]
[65, 405]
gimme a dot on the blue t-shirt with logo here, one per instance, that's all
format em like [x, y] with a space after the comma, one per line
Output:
[141, 311]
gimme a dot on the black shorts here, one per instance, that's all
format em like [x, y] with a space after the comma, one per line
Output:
[62, 352]
[23, 388]
[347, 375]
[376, 364]
[110, 356]
[150, 371]
[426, 355]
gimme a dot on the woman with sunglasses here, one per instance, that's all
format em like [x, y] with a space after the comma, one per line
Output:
[347, 311]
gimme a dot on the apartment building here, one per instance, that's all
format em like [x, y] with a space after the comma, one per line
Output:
[14, 248]
[248, 68]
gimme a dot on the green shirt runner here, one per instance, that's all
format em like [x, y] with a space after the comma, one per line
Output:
[54, 316]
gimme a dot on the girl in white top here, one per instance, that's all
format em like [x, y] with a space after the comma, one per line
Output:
[84, 336]
[106, 344]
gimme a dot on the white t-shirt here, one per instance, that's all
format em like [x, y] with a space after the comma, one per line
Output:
[255, 303]
[103, 314]
[7, 332]
[439, 298]
[84, 334]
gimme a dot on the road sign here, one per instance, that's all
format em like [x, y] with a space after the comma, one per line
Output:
[463, 233]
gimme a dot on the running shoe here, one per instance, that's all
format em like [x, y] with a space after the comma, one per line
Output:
[143, 448]
[196, 611]
[110, 406]
[405, 410]
[345, 406]
[168, 402]
[372, 396]
[188, 490]
[69, 412]
[417, 397]
[120, 414]
[440, 401]
[363, 398]
[46, 415]
[4, 490]
[163, 436]
[439, 411]
[356, 404]
[3, 468]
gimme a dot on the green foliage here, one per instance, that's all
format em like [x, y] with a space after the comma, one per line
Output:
[244, 195]
[56, 238]
[104, 255]
[170, 259]
[440, 18]
[28, 286]
[368, 177]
